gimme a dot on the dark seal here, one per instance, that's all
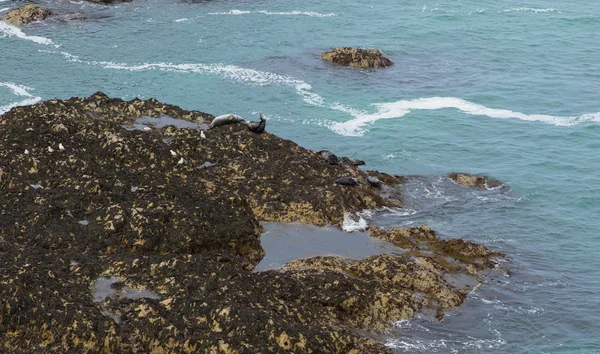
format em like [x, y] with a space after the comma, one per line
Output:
[258, 127]
[347, 181]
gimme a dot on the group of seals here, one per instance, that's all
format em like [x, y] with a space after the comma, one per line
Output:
[225, 119]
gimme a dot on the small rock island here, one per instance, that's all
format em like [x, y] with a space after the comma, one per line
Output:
[357, 58]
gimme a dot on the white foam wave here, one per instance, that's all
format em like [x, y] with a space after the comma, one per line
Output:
[4, 9]
[285, 13]
[529, 9]
[350, 224]
[18, 90]
[411, 345]
[355, 127]
[182, 20]
[232, 72]
[13, 31]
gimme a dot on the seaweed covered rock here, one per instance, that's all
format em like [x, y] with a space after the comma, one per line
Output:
[87, 196]
[455, 255]
[117, 235]
[357, 58]
[474, 181]
[26, 14]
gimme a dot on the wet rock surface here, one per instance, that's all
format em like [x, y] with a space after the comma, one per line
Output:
[357, 58]
[475, 181]
[83, 198]
[26, 14]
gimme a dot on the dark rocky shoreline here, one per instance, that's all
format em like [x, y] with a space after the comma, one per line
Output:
[84, 196]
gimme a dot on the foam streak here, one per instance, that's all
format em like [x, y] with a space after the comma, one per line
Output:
[287, 13]
[356, 126]
[232, 72]
[13, 31]
[18, 90]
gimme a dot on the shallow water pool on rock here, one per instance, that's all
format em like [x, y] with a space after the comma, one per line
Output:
[284, 243]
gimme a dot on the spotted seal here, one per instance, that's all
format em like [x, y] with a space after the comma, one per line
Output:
[224, 120]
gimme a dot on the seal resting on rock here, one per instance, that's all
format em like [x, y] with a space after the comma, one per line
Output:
[347, 181]
[374, 182]
[258, 127]
[225, 119]
[330, 157]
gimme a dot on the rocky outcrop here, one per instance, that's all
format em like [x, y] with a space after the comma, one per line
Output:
[26, 14]
[475, 181]
[173, 215]
[357, 58]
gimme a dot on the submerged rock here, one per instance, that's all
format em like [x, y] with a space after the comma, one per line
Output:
[26, 14]
[476, 181]
[109, 1]
[357, 58]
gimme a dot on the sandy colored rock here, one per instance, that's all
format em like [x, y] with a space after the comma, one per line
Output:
[475, 181]
[26, 14]
[357, 58]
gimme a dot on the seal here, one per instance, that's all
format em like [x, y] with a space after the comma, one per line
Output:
[347, 181]
[374, 182]
[258, 127]
[351, 161]
[330, 157]
[224, 120]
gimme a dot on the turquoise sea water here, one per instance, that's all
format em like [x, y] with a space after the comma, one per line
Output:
[504, 88]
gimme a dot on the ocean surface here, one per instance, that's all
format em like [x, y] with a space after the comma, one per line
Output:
[509, 89]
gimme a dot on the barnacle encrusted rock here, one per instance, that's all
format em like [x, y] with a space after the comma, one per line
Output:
[357, 58]
[26, 14]
[84, 195]
[475, 181]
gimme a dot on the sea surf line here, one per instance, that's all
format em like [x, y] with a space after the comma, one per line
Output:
[265, 12]
[353, 127]
[13, 31]
[398, 109]
[18, 90]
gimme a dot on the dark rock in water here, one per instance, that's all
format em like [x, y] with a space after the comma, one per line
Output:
[351, 161]
[476, 181]
[26, 14]
[258, 127]
[347, 181]
[357, 58]
[330, 157]
[187, 236]
[374, 182]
